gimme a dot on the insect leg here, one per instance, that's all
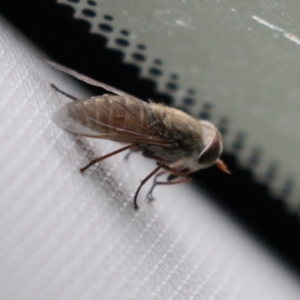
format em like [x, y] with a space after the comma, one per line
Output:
[149, 195]
[183, 180]
[171, 177]
[63, 93]
[174, 174]
[126, 157]
[104, 157]
[143, 182]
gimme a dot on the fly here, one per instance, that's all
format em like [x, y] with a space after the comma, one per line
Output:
[179, 143]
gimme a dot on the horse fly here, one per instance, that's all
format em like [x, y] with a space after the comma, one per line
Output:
[179, 143]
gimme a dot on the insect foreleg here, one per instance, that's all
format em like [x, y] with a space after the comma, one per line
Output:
[174, 174]
[104, 157]
[183, 180]
[149, 195]
[63, 93]
[143, 182]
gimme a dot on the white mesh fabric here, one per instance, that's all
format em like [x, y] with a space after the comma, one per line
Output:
[64, 235]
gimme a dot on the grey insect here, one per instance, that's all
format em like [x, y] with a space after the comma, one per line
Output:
[179, 143]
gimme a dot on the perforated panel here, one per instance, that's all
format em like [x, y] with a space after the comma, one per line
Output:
[233, 62]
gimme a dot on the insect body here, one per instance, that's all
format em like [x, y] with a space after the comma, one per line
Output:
[179, 143]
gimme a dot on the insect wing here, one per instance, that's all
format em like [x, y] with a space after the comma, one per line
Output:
[80, 119]
[89, 80]
[91, 118]
[64, 120]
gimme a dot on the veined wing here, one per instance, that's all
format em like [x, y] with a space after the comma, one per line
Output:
[90, 80]
[111, 117]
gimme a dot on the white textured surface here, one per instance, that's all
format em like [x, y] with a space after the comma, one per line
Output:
[68, 236]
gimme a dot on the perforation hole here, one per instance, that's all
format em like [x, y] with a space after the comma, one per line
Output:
[122, 42]
[155, 72]
[223, 126]
[108, 18]
[91, 3]
[138, 57]
[88, 13]
[125, 32]
[207, 106]
[191, 91]
[105, 27]
[188, 101]
[205, 113]
[271, 172]
[174, 76]
[255, 157]
[184, 109]
[141, 47]
[288, 187]
[171, 86]
[158, 61]
[239, 142]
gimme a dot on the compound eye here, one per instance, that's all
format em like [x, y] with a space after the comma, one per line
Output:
[212, 152]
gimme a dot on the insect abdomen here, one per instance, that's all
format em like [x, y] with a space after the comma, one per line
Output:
[110, 113]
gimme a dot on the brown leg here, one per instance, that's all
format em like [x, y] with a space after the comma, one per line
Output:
[104, 157]
[171, 177]
[175, 172]
[63, 93]
[142, 183]
[183, 180]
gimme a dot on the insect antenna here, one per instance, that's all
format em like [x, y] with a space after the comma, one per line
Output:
[222, 166]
